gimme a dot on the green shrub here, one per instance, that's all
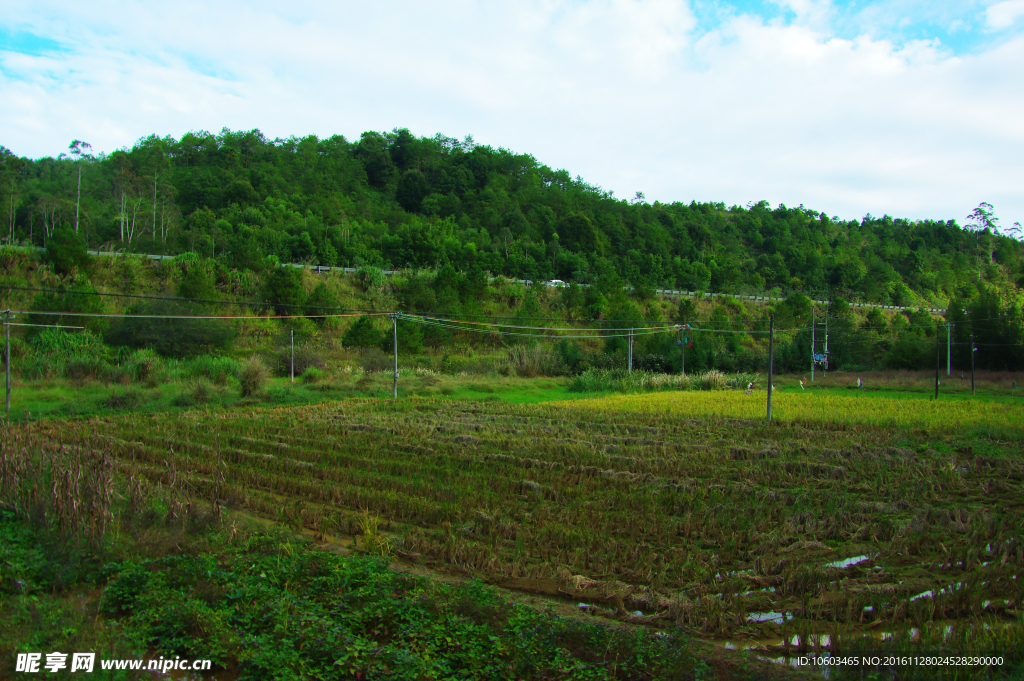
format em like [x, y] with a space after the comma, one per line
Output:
[216, 369]
[57, 353]
[130, 399]
[363, 334]
[202, 392]
[121, 596]
[373, 360]
[65, 344]
[313, 375]
[197, 282]
[66, 251]
[252, 376]
[321, 302]
[410, 338]
[284, 290]
[87, 367]
[370, 276]
[306, 357]
[143, 365]
[12, 259]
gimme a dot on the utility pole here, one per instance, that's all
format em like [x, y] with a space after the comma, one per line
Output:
[973, 350]
[938, 361]
[771, 358]
[291, 332]
[682, 351]
[812, 342]
[7, 356]
[631, 351]
[824, 367]
[683, 328]
[394, 336]
[949, 346]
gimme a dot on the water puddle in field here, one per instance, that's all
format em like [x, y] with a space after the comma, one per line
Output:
[931, 594]
[773, 617]
[847, 562]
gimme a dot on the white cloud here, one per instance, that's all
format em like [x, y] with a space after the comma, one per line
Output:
[622, 92]
[1004, 14]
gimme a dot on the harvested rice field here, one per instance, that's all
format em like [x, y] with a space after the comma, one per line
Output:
[789, 536]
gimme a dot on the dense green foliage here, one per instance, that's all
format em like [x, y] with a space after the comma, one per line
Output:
[396, 200]
[234, 205]
[165, 326]
[66, 251]
[266, 608]
[286, 611]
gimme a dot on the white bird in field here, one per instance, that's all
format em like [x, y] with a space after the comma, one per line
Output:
[801, 385]
[858, 383]
[750, 386]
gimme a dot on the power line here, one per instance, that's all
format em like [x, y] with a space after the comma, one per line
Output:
[114, 315]
[317, 308]
[180, 299]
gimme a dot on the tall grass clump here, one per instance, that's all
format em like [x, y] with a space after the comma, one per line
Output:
[529, 361]
[711, 380]
[65, 343]
[623, 381]
[57, 353]
[143, 365]
[252, 376]
[215, 369]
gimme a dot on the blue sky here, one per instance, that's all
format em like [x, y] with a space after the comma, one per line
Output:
[903, 107]
[21, 41]
[961, 26]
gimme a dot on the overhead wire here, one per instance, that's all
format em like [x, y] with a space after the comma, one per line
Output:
[112, 315]
[218, 301]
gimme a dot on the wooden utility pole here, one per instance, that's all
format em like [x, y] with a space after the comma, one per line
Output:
[394, 336]
[938, 361]
[631, 351]
[291, 333]
[771, 358]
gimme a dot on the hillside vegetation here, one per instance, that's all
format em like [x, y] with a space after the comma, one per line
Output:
[452, 216]
[392, 199]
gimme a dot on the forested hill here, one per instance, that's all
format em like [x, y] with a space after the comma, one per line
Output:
[395, 200]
